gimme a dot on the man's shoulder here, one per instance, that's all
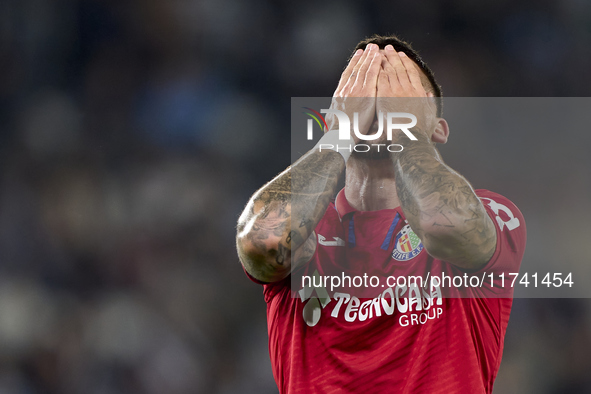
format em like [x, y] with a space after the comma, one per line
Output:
[510, 228]
[499, 203]
[485, 193]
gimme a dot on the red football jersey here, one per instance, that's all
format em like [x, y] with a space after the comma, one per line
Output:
[379, 335]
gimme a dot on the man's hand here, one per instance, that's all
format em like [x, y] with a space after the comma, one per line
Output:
[400, 89]
[357, 88]
[399, 76]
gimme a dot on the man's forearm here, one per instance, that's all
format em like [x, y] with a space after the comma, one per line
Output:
[441, 206]
[282, 215]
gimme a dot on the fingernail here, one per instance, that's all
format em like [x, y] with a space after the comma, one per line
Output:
[358, 52]
[389, 47]
[402, 54]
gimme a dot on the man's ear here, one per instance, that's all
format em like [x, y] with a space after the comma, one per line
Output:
[441, 131]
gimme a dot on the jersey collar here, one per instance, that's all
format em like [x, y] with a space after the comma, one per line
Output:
[342, 205]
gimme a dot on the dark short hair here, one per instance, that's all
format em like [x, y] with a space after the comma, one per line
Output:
[403, 46]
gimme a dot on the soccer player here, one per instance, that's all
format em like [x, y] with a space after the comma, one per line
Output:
[401, 214]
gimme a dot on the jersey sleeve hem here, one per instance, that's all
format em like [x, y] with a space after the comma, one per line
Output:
[501, 233]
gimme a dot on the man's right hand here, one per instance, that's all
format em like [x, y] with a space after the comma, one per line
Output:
[357, 89]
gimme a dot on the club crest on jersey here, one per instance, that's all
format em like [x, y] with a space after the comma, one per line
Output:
[406, 245]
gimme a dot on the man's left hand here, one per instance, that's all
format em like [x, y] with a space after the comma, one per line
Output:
[400, 89]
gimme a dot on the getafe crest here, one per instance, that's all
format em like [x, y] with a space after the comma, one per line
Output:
[406, 245]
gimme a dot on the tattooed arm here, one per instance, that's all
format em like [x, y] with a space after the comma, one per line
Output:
[276, 229]
[439, 204]
[441, 207]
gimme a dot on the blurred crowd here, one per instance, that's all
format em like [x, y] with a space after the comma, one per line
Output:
[132, 134]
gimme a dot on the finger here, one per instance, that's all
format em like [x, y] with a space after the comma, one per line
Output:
[353, 70]
[349, 69]
[355, 73]
[389, 70]
[383, 88]
[412, 71]
[371, 76]
[398, 66]
[369, 54]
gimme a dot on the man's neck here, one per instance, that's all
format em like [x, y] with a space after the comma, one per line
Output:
[370, 184]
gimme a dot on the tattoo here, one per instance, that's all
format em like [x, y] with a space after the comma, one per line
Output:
[295, 236]
[305, 222]
[445, 223]
[305, 252]
[301, 195]
[433, 196]
[281, 254]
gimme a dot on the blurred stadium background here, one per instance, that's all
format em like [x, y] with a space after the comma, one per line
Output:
[133, 132]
